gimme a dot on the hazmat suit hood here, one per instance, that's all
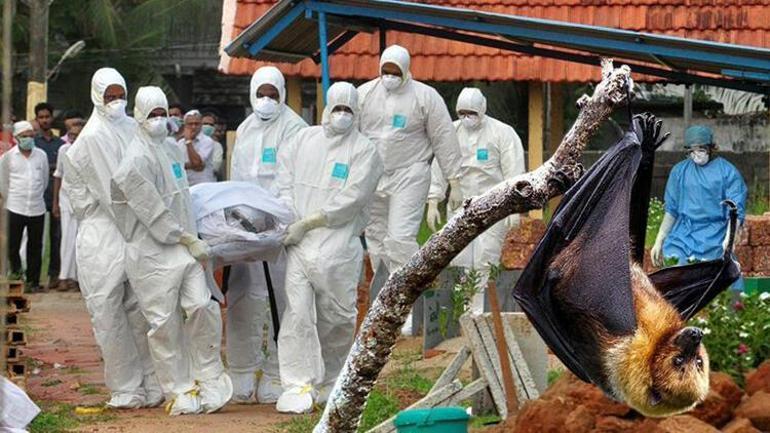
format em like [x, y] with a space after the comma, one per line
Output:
[472, 99]
[102, 79]
[344, 94]
[400, 57]
[148, 99]
[272, 76]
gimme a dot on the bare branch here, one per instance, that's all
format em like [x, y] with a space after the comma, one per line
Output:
[532, 190]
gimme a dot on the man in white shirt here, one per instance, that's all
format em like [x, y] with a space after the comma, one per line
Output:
[209, 128]
[198, 149]
[23, 180]
[62, 209]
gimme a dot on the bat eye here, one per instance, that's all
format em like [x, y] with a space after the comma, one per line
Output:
[679, 360]
[699, 362]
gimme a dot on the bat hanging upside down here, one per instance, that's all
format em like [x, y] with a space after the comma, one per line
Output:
[586, 294]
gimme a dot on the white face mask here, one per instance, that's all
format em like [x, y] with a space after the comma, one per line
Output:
[156, 126]
[470, 121]
[266, 107]
[116, 109]
[700, 156]
[391, 82]
[341, 121]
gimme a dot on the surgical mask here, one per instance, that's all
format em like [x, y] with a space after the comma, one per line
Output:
[700, 156]
[156, 126]
[116, 109]
[341, 121]
[391, 82]
[266, 107]
[208, 130]
[470, 121]
[26, 143]
[177, 121]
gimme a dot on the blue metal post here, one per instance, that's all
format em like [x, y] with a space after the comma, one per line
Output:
[322, 42]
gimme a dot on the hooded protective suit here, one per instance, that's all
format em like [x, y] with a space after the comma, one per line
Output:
[153, 209]
[409, 125]
[255, 159]
[119, 327]
[327, 175]
[491, 152]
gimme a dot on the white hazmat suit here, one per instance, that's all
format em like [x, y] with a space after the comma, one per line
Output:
[153, 209]
[491, 152]
[119, 326]
[251, 350]
[327, 175]
[69, 225]
[409, 125]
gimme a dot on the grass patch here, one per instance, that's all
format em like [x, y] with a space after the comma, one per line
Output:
[52, 382]
[56, 419]
[758, 202]
[380, 406]
[554, 375]
[485, 420]
[298, 424]
[89, 389]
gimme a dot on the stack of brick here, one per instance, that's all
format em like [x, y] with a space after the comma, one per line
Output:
[752, 247]
[15, 337]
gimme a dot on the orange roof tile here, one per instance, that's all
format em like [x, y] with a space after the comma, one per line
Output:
[745, 22]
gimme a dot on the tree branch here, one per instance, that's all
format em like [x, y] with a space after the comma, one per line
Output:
[377, 336]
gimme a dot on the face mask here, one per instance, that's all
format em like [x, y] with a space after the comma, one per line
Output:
[391, 82]
[116, 109]
[26, 143]
[470, 121]
[177, 120]
[208, 130]
[700, 156]
[266, 107]
[341, 121]
[156, 126]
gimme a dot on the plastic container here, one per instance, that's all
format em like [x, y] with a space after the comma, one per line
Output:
[753, 285]
[436, 420]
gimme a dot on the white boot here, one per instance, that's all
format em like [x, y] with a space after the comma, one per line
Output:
[243, 387]
[407, 330]
[215, 393]
[185, 404]
[269, 389]
[296, 400]
[126, 401]
[153, 393]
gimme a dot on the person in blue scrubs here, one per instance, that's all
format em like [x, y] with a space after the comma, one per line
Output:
[695, 226]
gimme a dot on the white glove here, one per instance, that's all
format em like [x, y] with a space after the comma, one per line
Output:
[197, 248]
[656, 253]
[455, 194]
[433, 217]
[297, 230]
[513, 221]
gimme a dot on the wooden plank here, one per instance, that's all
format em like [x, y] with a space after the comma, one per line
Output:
[294, 94]
[468, 392]
[488, 339]
[525, 380]
[453, 369]
[506, 371]
[433, 399]
[483, 362]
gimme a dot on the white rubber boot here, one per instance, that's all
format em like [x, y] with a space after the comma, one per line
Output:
[296, 400]
[216, 393]
[185, 404]
[126, 401]
[243, 387]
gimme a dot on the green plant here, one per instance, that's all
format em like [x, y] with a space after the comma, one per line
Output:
[736, 330]
[554, 375]
[465, 287]
[758, 201]
[654, 218]
[55, 419]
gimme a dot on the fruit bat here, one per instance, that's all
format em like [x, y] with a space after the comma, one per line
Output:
[586, 294]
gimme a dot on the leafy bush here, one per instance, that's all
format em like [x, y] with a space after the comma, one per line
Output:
[736, 332]
[654, 218]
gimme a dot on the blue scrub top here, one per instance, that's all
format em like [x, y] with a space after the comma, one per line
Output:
[693, 196]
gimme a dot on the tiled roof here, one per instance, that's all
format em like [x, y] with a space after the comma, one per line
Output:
[731, 21]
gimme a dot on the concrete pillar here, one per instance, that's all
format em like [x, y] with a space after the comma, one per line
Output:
[294, 94]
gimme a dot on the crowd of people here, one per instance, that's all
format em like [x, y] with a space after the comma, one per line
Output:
[122, 229]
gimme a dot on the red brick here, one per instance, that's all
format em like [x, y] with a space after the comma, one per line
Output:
[745, 257]
[759, 227]
[516, 256]
[760, 259]
[530, 231]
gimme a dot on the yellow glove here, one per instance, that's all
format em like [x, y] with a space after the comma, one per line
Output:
[197, 248]
[433, 217]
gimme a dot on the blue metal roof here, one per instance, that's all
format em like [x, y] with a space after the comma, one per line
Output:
[289, 32]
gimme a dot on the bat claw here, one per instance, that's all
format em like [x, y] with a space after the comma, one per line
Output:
[561, 180]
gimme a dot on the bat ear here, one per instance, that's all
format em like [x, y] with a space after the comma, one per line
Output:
[655, 397]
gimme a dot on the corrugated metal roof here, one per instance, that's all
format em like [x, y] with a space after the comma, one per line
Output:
[728, 21]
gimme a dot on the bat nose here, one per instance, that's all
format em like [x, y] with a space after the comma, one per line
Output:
[689, 340]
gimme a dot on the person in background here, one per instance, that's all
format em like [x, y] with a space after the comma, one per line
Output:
[198, 149]
[23, 180]
[327, 175]
[492, 152]
[695, 225]
[176, 116]
[409, 124]
[209, 128]
[68, 276]
[6, 136]
[46, 141]
[251, 353]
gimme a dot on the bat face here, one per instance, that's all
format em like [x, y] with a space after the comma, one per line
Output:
[680, 374]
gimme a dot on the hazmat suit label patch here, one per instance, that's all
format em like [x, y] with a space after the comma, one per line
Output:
[177, 169]
[482, 154]
[399, 121]
[269, 155]
[340, 171]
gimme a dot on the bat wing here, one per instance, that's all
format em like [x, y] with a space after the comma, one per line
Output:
[577, 284]
[690, 288]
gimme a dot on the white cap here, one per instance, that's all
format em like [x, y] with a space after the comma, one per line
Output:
[22, 126]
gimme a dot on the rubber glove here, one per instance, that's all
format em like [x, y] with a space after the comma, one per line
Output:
[455, 194]
[513, 221]
[197, 248]
[297, 230]
[657, 249]
[433, 216]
